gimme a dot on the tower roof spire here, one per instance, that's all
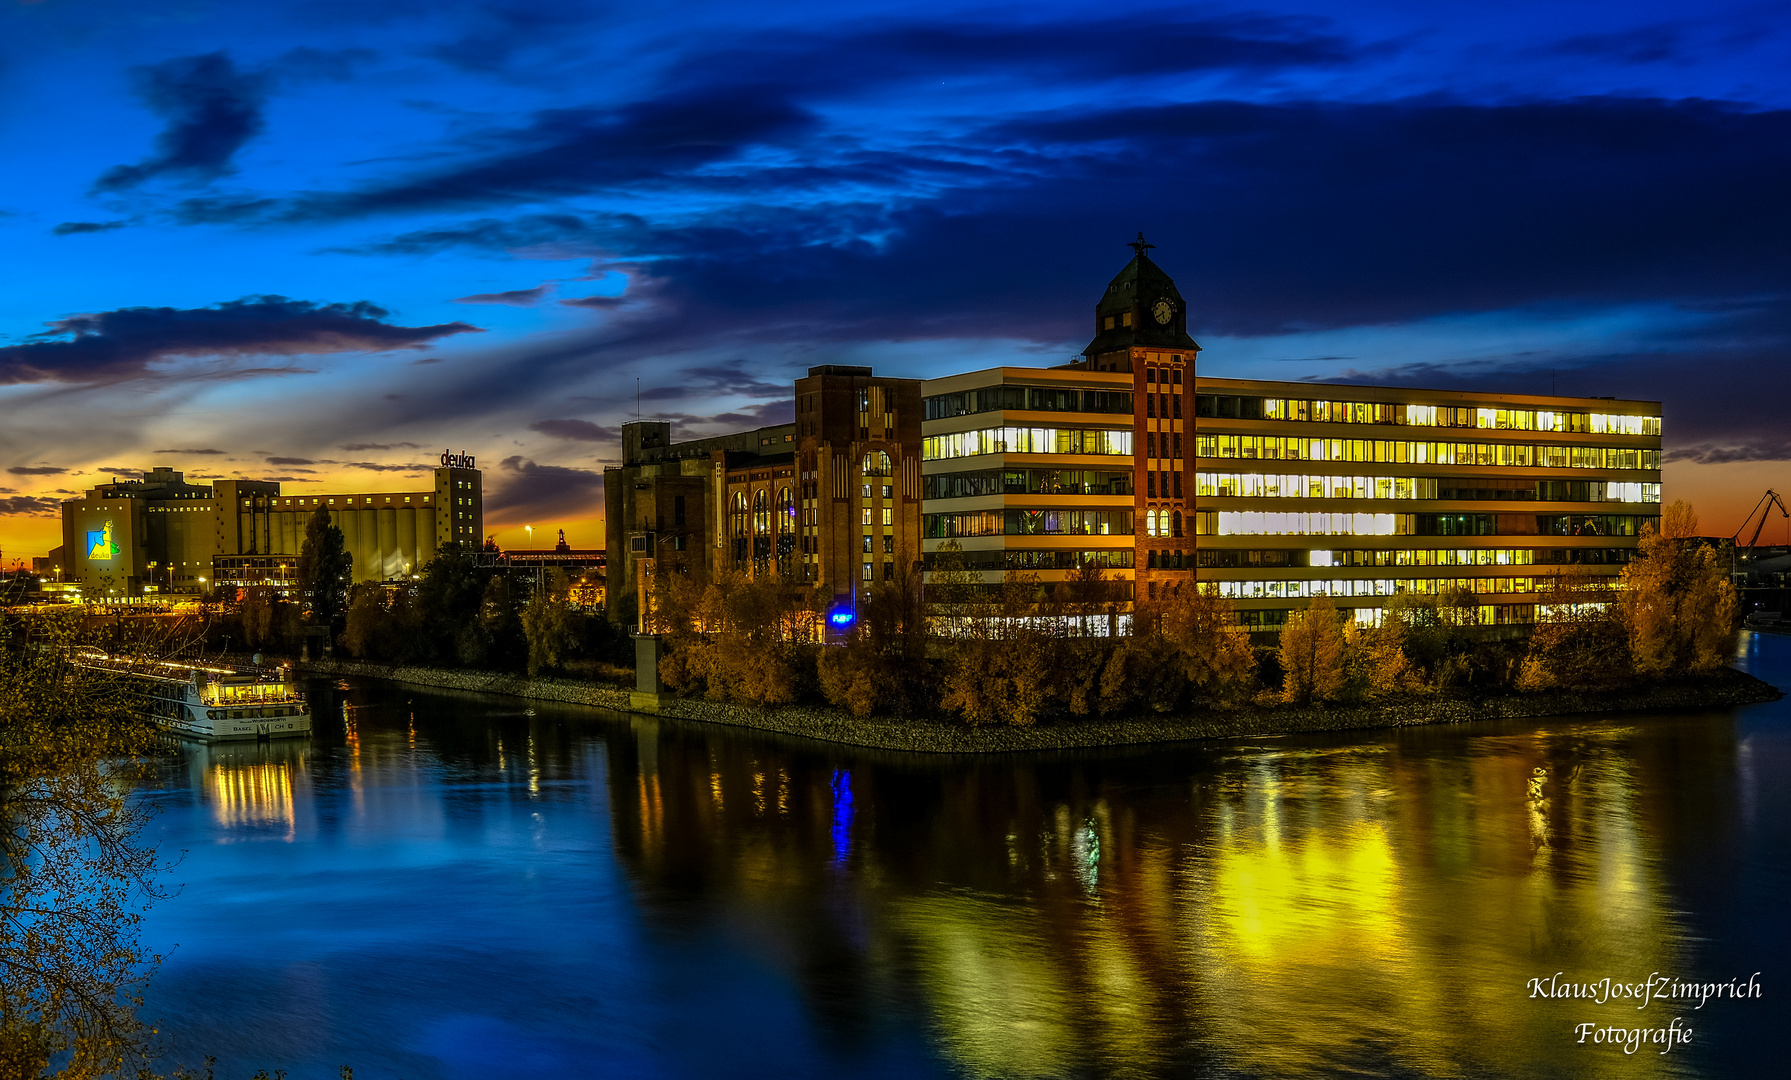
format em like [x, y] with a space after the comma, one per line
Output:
[1140, 245]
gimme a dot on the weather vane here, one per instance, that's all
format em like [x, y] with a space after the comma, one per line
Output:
[1140, 245]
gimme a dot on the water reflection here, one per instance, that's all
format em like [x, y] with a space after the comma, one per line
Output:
[1293, 907]
[248, 783]
[1297, 909]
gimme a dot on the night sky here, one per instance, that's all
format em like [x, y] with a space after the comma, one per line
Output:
[320, 242]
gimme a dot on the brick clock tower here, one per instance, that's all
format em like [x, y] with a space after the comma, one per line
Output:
[1141, 327]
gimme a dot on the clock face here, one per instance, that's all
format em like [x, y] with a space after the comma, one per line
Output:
[1163, 312]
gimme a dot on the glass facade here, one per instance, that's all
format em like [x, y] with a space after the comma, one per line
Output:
[1406, 451]
[1026, 440]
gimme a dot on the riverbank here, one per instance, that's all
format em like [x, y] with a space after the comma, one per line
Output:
[1725, 688]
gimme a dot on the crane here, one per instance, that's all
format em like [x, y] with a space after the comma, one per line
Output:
[1764, 509]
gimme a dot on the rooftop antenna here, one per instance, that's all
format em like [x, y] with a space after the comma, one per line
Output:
[637, 399]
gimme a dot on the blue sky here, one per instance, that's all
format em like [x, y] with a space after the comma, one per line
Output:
[325, 240]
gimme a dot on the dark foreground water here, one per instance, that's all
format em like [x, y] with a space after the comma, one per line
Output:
[464, 886]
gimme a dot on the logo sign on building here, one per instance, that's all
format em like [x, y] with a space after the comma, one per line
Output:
[100, 545]
[462, 460]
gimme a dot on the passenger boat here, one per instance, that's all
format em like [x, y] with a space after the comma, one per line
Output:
[214, 703]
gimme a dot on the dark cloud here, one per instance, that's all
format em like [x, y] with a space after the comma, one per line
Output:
[29, 506]
[117, 470]
[576, 430]
[600, 302]
[35, 470]
[1642, 45]
[288, 479]
[1769, 449]
[222, 209]
[541, 494]
[112, 345]
[376, 467]
[357, 447]
[208, 450]
[290, 461]
[717, 380]
[71, 228]
[426, 360]
[574, 151]
[304, 63]
[212, 109]
[513, 298]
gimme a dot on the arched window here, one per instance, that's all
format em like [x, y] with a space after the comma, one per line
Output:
[761, 513]
[737, 522]
[1150, 518]
[876, 463]
[786, 511]
[1176, 524]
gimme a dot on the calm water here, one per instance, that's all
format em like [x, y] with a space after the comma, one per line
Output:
[463, 886]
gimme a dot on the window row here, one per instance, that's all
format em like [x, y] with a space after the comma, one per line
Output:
[1243, 559]
[1019, 440]
[1405, 452]
[1028, 523]
[1375, 412]
[1272, 486]
[965, 485]
[1254, 523]
[1031, 559]
[1031, 398]
[1486, 615]
[1346, 587]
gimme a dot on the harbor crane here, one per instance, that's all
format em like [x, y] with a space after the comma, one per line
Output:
[1751, 573]
[1764, 509]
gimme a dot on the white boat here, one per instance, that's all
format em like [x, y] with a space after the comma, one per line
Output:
[214, 703]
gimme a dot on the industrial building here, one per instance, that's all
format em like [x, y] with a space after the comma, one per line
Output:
[830, 502]
[163, 535]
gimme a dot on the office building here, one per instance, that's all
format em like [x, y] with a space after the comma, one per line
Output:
[1128, 461]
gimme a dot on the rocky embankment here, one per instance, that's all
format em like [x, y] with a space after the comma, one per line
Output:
[1723, 689]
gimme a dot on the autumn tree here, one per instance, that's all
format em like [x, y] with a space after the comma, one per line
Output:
[1002, 665]
[1579, 640]
[1311, 654]
[549, 623]
[74, 874]
[1213, 650]
[747, 641]
[1376, 663]
[881, 665]
[1678, 605]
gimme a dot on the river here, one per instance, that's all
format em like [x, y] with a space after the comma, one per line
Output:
[440, 885]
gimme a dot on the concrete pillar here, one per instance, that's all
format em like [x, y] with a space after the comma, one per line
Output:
[407, 539]
[391, 562]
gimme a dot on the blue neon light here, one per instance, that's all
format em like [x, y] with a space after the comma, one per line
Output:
[841, 617]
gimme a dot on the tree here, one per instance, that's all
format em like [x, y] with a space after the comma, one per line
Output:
[1312, 654]
[364, 633]
[548, 623]
[73, 872]
[1579, 640]
[323, 569]
[1376, 659]
[1678, 605]
[1004, 668]
[880, 665]
[1214, 651]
